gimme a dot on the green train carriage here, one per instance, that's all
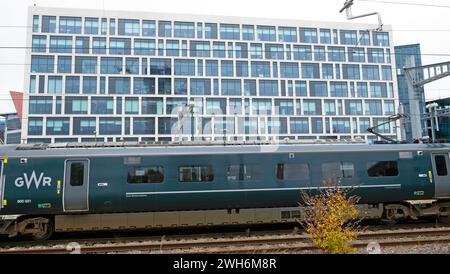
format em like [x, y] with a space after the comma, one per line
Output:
[55, 187]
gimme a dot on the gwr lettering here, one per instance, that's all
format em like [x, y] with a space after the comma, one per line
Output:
[27, 181]
[247, 264]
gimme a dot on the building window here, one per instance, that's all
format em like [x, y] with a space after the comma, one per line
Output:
[351, 72]
[256, 51]
[185, 67]
[289, 70]
[102, 105]
[144, 86]
[164, 85]
[310, 70]
[129, 27]
[180, 86]
[153, 106]
[35, 23]
[200, 87]
[356, 55]
[194, 174]
[41, 105]
[274, 51]
[54, 84]
[266, 33]
[312, 107]
[49, 24]
[348, 37]
[231, 87]
[210, 31]
[110, 126]
[35, 126]
[268, 88]
[39, 43]
[375, 55]
[241, 69]
[184, 30]
[58, 126]
[42, 64]
[84, 126]
[120, 46]
[91, 26]
[111, 65]
[82, 45]
[70, 25]
[373, 107]
[160, 67]
[308, 35]
[145, 175]
[89, 85]
[99, 45]
[143, 126]
[371, 72]
[132, 66]
[287, 34]
[144, 47]
[73, 84]
[148, 28]
[227, 68]
[318, 89]
[230, 32]
[165, 28]
[336, 54]
[353, 107]
[200, 49]
[299, 126]
[249, 87]
[86, 65]
[338, 89]
[325, 36]
[76, 105]
[60, 44]
[119, 85]
[380, 39]
[378, 90]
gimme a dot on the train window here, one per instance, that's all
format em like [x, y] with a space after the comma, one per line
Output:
[382, 169]
[145, 175]
[292, 172]
[76, 174]
[244, 173]
[338, 170]
[192, 174]
[441, 165]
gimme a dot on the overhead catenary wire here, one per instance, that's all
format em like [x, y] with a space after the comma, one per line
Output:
[407, 3]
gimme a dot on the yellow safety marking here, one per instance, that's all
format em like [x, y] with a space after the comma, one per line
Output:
[5, 202]
[5, 161]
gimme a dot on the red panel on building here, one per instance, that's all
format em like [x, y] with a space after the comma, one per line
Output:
[17, 98]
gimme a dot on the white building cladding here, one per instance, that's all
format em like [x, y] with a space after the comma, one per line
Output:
[112, 76]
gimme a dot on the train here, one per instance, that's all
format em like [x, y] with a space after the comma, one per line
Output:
[75, 187]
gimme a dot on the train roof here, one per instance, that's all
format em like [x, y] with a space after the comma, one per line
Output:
[200, 148]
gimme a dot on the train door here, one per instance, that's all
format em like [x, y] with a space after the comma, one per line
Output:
[441, 168]
[76, 186]
[2, 184]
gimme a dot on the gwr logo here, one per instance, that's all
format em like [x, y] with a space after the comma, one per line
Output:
[27, 181]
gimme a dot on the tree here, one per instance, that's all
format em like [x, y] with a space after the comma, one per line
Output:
[330, 215]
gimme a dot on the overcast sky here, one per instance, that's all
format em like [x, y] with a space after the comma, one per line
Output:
[428, 26]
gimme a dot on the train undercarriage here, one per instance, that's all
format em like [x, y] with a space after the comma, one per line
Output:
[41, 228]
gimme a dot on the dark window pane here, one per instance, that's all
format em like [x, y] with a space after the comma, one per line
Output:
[441, 165]
[192, 174]
[77, 174]
[382, 169]
[244, 173]
[145, 175]
[293, 172]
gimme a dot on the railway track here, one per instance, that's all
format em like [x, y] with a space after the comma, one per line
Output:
[286, 243]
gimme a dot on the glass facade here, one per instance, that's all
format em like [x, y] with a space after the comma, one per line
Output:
[140, 76]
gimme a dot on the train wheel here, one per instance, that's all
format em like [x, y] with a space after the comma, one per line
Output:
[46, 232]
